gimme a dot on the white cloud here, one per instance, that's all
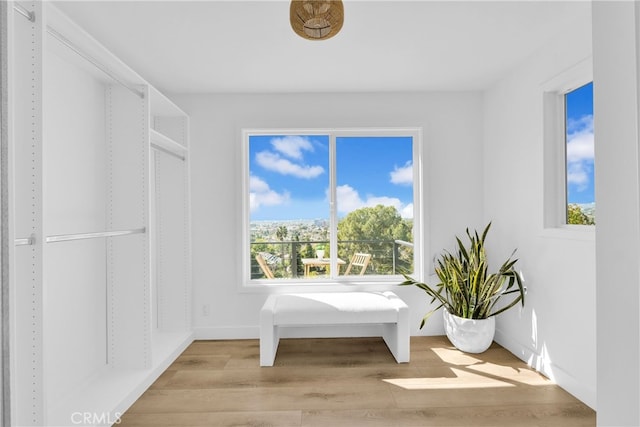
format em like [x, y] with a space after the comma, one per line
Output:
[257, 185]
[577, 174]
[274, 162]
[384, 201]
[260, 194]
[348, 200]
[402, 175]
[580, 147]
[584, 123]
[580, 151]
[407, 211]
[292, 146]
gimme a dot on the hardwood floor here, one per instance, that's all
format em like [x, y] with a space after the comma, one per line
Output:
[352, 382]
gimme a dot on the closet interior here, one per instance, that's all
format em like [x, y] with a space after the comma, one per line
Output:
[99, 187]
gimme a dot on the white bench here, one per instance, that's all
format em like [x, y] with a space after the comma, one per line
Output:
[336, 308]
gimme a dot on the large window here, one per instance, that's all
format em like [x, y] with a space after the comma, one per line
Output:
[331, 206]
[580, 194]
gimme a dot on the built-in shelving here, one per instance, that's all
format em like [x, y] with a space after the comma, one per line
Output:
[171, 229]
[101, 209]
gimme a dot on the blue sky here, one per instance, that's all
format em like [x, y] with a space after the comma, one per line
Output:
[289, 175]
[580, 150]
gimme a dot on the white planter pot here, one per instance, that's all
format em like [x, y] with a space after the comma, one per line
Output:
[469, 335]
[320, 253]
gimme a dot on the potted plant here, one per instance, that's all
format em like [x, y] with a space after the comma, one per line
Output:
[470, 294]
[320, 251]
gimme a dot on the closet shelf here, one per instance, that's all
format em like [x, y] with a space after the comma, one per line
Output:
[161, 106]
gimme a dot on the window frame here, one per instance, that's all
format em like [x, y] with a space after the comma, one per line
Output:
[555, 195]
[371, 283]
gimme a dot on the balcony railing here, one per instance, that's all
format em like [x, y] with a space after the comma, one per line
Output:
[388, 257]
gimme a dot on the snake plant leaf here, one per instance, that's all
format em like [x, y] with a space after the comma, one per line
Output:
[466, 288]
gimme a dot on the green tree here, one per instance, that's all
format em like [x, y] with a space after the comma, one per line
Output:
[575, 215]
[308, 251]
[281, 233]
[373, 230]
[296, 247]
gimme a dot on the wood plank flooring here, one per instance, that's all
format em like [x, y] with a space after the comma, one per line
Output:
[352, 382]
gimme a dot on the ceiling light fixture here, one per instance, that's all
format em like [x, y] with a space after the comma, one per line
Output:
[316, 19]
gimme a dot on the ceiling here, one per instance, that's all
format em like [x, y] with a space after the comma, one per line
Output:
[248, 46]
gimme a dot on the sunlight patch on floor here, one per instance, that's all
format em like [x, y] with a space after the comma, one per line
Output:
[523, 376]
[455, 357]
[472, 372]
[462, 379]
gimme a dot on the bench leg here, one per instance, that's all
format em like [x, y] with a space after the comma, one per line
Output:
[396, 336]
[269, 340]
[269, 334]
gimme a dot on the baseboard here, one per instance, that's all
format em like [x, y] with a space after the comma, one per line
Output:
[227, 333]
[542, 364]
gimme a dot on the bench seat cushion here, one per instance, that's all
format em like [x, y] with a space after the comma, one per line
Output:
[334, 308]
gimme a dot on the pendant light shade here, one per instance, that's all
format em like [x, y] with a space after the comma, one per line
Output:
[316, 19]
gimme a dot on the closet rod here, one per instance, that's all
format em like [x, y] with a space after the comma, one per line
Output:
[31, 16]
[80, 236]
[169, 152]
[62, 39]
[27, 241]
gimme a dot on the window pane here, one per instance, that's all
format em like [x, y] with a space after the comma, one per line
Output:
[581, 206]
[374, 202]
[289, 210]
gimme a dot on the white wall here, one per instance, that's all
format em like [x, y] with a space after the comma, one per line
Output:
[556, 331]
[452, 135]
[616, 64]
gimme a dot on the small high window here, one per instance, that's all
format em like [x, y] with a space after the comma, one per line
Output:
[579, 156]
